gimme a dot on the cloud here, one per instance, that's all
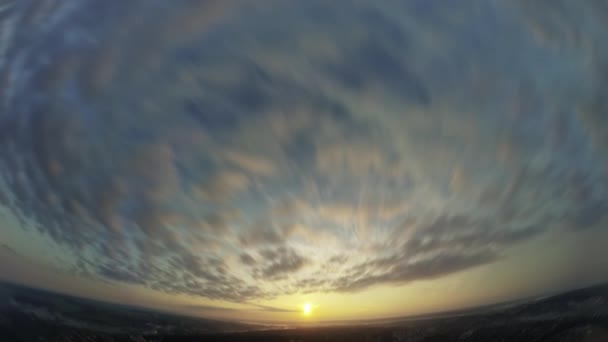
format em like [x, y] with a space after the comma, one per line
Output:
[372, 63]
[274, 309]
[154, 172]
[349, 158]
[119, 275]
[8, 249]
[263, 233]
[338, 259]
[218, 223]
[247, 259]
[225, 184]
[206, 308]
[256, 307]
[252, 164]
[591, 215]
[400, 271]
[279, 262]
[414, 151]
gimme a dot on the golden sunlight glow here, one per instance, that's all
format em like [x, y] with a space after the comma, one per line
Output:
[307, 309]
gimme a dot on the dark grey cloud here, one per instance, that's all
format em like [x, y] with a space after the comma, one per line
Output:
[228, 287]
[591, 214]
[8, 249]
[279, 262]
[375, 63]
[399, 270]
[338, 259]
[261, 234]
[313, 284]
[201, 269]
[121, 275]
[465, 233]
[274, 309]
[207, 308]
[217, 223]
[247, 259]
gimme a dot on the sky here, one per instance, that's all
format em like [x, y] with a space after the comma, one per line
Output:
[240, 159]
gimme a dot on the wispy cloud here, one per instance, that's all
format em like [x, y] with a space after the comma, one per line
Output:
[428, 146]
[8, 249]
[254, 307]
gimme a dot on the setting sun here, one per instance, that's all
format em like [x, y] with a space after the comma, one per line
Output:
[307, 309]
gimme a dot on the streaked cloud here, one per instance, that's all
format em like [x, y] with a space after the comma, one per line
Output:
[253, 164]
[243, 158]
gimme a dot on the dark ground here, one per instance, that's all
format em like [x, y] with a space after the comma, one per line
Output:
[33, 315]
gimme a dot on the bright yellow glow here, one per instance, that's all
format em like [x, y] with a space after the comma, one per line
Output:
[307, 309]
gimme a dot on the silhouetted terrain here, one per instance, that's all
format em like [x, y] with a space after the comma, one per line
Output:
[33, 315]
[28, 314]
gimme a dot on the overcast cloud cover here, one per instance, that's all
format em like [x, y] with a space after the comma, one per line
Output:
[240, 151]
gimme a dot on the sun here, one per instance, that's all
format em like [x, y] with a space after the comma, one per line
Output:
[307, 309]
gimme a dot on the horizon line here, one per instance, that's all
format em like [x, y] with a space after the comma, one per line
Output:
[468, 310]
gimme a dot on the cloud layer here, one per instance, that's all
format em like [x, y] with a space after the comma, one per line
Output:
[301, 147]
